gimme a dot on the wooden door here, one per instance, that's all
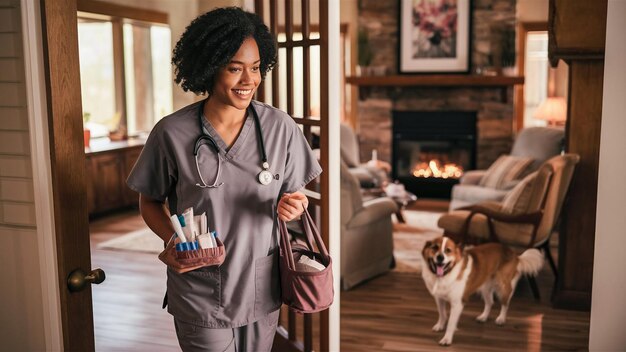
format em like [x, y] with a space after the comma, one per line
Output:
[60, 42]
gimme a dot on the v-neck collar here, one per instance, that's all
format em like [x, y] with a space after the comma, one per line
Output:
[227, 152]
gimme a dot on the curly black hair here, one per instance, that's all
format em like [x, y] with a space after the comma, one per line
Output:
[211, 41]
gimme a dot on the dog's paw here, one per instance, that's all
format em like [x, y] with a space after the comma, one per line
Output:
[439, 326]
[446, 341]
[500, 320]
[482, 318]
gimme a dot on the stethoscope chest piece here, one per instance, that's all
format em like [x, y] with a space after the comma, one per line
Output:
[265, 177]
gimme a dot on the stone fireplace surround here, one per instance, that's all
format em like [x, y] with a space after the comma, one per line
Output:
[494, 114]
[494, 117]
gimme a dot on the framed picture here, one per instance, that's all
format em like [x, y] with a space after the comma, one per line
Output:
[434, 36]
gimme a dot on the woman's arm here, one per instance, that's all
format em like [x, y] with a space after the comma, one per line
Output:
[291, 205]
[156, 216]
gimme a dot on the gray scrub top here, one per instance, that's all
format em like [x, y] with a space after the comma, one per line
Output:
[246, 286]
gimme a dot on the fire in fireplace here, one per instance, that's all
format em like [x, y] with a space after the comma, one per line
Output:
[431, 150]
[437, 169]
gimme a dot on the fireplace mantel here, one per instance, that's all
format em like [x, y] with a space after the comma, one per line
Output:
[437, 80]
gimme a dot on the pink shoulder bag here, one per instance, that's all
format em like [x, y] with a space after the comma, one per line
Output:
[305, 290]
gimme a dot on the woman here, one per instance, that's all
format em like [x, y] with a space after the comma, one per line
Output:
[246, 174]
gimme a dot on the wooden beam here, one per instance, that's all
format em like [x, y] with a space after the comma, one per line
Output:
[122, 11]
[437, 80]
[324, 146]
[576, 241]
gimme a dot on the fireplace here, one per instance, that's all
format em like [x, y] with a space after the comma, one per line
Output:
[432, 149]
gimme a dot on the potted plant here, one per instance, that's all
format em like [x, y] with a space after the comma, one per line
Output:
[503, 48]
[86, 131]
[508, 50]
[365, 54]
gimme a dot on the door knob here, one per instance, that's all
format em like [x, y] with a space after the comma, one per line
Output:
[78, 280]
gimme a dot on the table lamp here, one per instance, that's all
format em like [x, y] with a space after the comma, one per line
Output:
[553, 110]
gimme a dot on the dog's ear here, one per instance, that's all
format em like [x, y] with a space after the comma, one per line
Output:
[428, 244]
[460, 247]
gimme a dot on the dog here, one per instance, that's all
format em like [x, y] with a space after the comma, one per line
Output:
[452, 275]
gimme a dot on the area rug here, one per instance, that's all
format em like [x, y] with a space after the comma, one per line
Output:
[142, 240]
[409, 238]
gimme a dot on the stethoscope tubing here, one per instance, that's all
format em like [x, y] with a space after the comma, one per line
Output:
[206, 137]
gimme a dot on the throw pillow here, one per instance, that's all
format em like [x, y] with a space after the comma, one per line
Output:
[504, 170]
[517, 201]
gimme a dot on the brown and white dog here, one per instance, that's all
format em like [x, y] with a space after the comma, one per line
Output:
[452, 275]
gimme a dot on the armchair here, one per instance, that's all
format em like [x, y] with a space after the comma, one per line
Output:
[368, 175]
[537, 143]
[526, 216]
[366, 233]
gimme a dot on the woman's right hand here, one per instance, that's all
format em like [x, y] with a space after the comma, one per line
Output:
[292, 205]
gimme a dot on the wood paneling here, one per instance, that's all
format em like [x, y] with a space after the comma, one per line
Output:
[13, 118]
[16, 185]
[67, 160]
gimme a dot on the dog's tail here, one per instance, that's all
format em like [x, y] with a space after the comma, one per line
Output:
[530, 262]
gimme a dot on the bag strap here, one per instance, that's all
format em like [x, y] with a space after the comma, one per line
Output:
[285, 244]
[313, 233]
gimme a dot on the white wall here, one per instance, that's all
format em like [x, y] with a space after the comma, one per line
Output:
[532, 10]
[608, 311]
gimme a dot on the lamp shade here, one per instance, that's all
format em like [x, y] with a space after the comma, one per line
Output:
[553, 110]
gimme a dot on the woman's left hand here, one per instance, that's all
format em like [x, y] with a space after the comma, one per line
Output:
[291, 205]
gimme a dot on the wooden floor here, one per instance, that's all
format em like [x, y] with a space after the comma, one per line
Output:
[393, 312]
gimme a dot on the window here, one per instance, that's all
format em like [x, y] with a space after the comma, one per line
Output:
[97, 76]
[298, 76]
[536, 76]
[126, 77]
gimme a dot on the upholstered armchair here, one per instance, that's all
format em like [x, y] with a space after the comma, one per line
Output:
[525, 218]
[366, 233]
[538, 144]
[369, 174]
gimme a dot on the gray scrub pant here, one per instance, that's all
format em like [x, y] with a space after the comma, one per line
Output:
[254, 337]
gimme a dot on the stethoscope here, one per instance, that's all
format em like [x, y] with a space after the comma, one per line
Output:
[265, 177]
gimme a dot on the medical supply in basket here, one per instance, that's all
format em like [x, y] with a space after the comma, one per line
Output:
[178, 228]
[188, 226]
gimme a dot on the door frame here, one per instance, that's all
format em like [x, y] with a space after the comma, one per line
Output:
[42, 179]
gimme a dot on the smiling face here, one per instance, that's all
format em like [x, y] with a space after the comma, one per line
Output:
[441, 255]
[236, 83]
